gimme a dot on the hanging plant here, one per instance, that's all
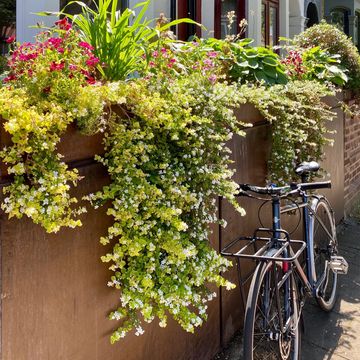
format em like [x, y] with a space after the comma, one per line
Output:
[299, 119]
[48, 86]
[168, 161]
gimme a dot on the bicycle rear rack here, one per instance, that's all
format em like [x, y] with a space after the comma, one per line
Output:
[261, 246]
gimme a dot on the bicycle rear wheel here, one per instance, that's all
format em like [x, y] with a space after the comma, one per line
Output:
[266, 310]
[324, 246]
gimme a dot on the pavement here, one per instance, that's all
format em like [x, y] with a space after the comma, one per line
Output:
[334, 335]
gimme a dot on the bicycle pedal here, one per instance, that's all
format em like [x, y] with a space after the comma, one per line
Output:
[339, 265]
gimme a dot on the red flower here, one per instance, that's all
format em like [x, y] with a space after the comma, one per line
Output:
[86, 45]
[57, 67]
[90, 80]
[11, 77]
[55, 42]
[10, 39]
[63, 24]
[92, 61]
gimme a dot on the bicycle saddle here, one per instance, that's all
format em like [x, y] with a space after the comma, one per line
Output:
[307, 167]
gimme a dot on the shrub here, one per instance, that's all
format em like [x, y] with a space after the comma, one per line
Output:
[315, 64]
[330, 38]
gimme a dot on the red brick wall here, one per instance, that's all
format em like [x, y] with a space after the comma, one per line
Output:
[351, 160]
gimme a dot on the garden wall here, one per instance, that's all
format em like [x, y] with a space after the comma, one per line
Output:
[352, 159]
[54, 298]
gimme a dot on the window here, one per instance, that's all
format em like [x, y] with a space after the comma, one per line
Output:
[222, 9]
[340, 17]
[270, 22]
[312, 15]
[7, 23]
[186, 9]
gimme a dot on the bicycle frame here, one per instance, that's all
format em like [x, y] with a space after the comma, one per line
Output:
[309, 280]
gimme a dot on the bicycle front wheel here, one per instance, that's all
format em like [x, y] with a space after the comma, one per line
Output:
[324, 246]
[272, 330]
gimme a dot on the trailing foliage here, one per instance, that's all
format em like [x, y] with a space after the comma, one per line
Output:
[299, 119]
[168, 161]
[47, 88]
[330, 38]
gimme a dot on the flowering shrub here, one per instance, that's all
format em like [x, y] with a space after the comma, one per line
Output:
[315, 64]
[46, 89]
[167, 158]
[54, 66]
[329, 38]
[173, 60]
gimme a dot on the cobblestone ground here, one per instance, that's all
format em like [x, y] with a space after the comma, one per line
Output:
[334, 335]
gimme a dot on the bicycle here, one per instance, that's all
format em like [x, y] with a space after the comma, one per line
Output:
[281, 281]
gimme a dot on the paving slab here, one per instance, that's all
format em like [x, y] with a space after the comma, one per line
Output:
[334, 335]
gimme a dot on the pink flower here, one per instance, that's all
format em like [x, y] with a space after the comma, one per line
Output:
[10, 39]
[57, 66]
[212, 54]
[63, 24]
[86, 45]
[212, 78]
[72, 67]
[155, 54]
[92, 61]
[55, 42]
[151, 64]
[209, 63]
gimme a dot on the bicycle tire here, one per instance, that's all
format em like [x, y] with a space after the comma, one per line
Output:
[267, 342]
[324, 246]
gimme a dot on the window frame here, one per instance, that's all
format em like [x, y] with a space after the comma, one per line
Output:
[187, 9]
[240, 13]
[271, 4]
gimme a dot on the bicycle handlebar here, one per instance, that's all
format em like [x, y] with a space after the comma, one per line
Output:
[283, 190]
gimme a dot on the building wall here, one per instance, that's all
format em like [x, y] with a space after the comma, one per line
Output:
[352, 160]
[330, 4]
[25, 17]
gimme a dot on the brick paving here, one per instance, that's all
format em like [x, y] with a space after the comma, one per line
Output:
[334, 335]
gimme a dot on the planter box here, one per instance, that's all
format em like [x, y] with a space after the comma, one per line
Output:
[75, 147]
[54, 286]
